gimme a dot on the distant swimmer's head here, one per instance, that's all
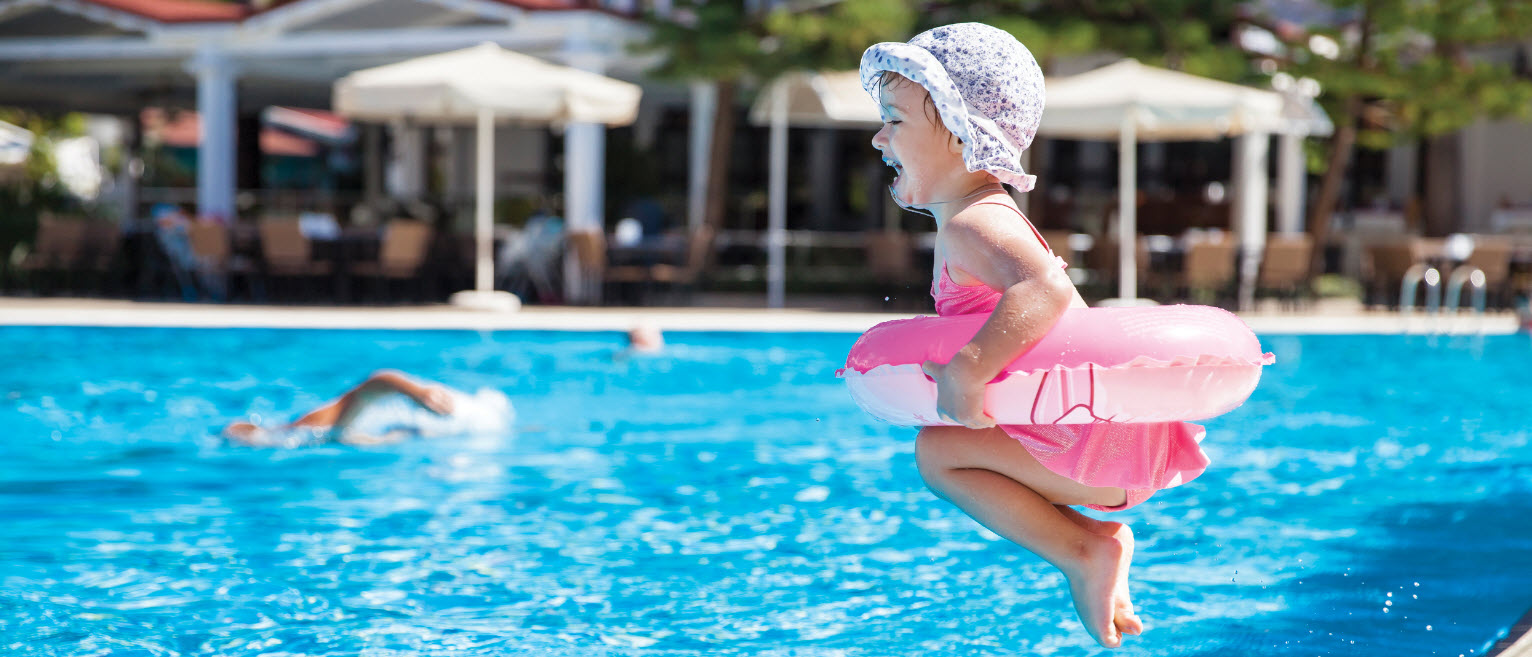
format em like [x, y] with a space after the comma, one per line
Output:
[646, 338]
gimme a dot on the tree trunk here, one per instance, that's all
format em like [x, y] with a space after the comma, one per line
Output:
[1341, 146]
[1325, 201]
[720, 152]
[1439, 201]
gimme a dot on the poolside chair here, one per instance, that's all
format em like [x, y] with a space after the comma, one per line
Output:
[214, 262]
[1385, 265]
[103, 245]
[401, 255]
[528, 262]
[677, 279]
[286, 253]
[585, 262]
[1058, 240]
[56, 252]
[1285, 265]
[1492, 255]
[1103, 264]
[1207, 269]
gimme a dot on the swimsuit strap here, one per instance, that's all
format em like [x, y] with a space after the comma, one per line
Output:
[1028, 222]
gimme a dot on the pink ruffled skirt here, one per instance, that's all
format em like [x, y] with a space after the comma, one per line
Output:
[1139, 458]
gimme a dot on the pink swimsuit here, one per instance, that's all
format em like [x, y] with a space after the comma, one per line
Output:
[1140, 458]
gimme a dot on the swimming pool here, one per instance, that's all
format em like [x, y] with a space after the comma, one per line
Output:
[726, 497]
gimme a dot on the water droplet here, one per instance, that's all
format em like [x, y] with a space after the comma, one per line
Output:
[1390, 594]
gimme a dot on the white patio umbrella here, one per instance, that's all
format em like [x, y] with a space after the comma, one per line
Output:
[485, 84]
[814, 100]
[1131, 102]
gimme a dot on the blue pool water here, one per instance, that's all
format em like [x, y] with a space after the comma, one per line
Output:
[725, 497]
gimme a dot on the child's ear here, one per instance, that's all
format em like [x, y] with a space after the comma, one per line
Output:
[954, 144]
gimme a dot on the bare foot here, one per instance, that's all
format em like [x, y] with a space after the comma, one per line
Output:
[1123, 616]
[1094, 588]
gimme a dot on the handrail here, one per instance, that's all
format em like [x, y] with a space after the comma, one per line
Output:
[1414, 277]
[1472, 276]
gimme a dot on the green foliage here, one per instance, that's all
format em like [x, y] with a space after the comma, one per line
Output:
[1180, 34]
[1335, 286]
[722, 40]
[834, 39]
[1426, 68]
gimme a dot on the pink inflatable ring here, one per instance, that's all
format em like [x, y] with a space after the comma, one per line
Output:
[1154, 364]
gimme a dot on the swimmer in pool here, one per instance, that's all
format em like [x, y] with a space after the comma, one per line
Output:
[645, 338]
[387, 407]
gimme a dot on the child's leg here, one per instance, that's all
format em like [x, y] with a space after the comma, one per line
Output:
[995, 480]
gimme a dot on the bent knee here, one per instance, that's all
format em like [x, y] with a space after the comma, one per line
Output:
[939, 450]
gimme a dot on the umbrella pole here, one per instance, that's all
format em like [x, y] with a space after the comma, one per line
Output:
[483, 295]
[776, 214]
[484, 193]
[1127, 208]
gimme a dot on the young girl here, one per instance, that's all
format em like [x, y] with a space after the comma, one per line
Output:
[959, 104]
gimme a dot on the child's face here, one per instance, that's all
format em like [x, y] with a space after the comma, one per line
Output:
[924, 154]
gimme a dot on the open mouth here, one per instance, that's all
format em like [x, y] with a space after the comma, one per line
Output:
[897, 167]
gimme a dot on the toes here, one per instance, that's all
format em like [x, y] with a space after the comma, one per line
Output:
[1130, 624]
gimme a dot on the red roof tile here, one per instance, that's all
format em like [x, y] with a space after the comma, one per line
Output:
[180, 11]
[211, 11]
[524, 4]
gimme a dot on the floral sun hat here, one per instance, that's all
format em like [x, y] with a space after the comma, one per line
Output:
[987, 88]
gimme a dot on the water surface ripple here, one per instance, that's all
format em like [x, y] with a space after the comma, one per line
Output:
[724, 497]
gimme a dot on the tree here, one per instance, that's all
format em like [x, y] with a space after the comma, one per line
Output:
[37, 189]
[1402, 70]
[728, 43]
[1184, 35]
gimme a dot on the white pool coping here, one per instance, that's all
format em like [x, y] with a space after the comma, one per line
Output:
[107, 312]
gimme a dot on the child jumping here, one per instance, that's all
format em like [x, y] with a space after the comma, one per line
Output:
[959, 104]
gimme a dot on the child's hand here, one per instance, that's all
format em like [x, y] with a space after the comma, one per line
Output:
[959, 398]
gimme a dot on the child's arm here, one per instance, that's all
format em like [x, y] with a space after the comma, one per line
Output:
[1003, 254]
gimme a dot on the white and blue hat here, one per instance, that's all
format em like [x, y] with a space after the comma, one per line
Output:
[986, 85]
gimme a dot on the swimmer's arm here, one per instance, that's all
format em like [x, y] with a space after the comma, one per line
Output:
[340, 413]
[1004, 255]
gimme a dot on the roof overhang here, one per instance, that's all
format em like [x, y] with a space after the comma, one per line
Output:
[120, 59]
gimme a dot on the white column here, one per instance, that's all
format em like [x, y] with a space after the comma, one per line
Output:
[704, 105]
[776, 213]
[1250, 218]
[1290, 184]
[584, 151]
[584, 164]
[1127, 209]
[216, 108]
[584, 172]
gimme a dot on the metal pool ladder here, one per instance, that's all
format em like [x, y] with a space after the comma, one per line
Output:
[1432, 278]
